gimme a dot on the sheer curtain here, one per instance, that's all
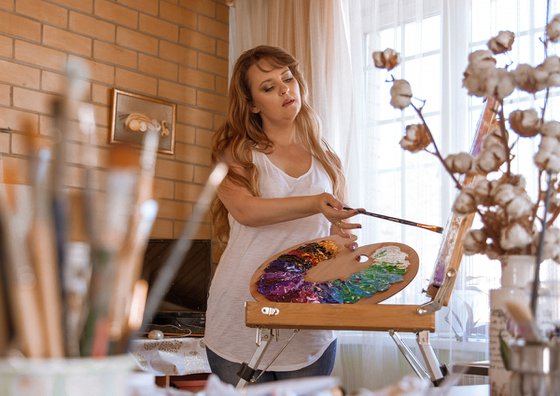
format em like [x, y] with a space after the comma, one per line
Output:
[334, 40]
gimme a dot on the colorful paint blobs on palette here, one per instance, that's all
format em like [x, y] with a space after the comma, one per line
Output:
[283, 279]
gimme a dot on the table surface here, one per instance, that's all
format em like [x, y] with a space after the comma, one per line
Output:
[171, 356]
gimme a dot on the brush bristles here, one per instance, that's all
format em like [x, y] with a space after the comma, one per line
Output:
[123, 156]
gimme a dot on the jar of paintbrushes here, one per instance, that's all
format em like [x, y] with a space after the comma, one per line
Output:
[535, 367]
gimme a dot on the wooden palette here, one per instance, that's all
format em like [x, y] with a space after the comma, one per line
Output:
[344, 264]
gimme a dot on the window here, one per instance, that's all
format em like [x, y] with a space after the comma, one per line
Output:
[434, 39]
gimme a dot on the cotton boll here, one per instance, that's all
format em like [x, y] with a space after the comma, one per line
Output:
[504, 194]
[551, 128]
[465, 202]
[416, 138]
[553, 29]
[504, 85]
[401, 94]
[490, 159]
[525, 123]
[482, 59]
[387, 59]
[480, 81]
[520, 206]
[461, 163]
[514, 236]
[474, 242]
[551, 245]
[483, 192]
[502, 42]
[524, 78]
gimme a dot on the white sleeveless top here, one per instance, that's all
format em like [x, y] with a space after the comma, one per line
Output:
[247, 249]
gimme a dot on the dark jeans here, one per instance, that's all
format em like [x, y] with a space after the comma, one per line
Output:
[227, 371]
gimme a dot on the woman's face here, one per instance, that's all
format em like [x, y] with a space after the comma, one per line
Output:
[275, 92]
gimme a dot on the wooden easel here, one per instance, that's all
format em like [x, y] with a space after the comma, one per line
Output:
[267, 317]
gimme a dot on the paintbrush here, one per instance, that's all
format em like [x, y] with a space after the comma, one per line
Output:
[77, 273]
[42, 244]
[523, 318]
[397, 220]
[130, 260]
[183, 244]
[108, 240]
[6, 325]
[15, 201]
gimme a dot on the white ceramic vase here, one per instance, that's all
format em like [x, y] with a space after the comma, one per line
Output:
[517, 277]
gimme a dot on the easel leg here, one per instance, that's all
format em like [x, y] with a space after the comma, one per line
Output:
[432, 371]
[264, 336]
[409, 356]
[437, 372]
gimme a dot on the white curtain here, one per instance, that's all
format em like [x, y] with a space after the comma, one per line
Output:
[334, 40]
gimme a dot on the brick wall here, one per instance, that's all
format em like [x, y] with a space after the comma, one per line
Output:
[175, 50]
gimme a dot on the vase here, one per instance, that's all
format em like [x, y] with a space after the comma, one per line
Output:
[516, 279]
[535, 367]
[108, 376]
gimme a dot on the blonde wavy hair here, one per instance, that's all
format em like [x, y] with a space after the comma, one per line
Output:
[242, 131]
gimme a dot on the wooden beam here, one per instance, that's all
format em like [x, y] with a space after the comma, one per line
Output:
[374, 317]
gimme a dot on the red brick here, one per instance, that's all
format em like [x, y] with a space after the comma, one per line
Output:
[172, 169]
[221, 85]
[175, 210]
[213, 27]
[92, 27]
[177, 92]
[41, 56]
[187, 191]
[116, 13]
[204, 7]
[196, 78]
[162, 229]
[7, 5]
[114, 54]
[156, 66]
[136, 82]
[163, 189]
[145, 6]
[101, 94]
[96, 71]
[192, 38]
[159, 28]
[222, 13]
[21, 75]
[67, 41]
[138, 41]
[43, 12]
[5, 98]
[194, 117]
[20, 26]
[222, 49]
[203, 137]
[17, 119]
[212, 64]
[82, 5]
[184, 133]
[193, 154]
[177, 53]
[33, 100]
[20, 167]
[201, 174]
[179, 15]
[6, 47]
[210, 101]
[4, 148]
[56, 83]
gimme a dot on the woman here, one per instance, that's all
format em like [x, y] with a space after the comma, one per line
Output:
[285, 186]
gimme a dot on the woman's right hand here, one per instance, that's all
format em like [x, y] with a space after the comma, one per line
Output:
[334, 211]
